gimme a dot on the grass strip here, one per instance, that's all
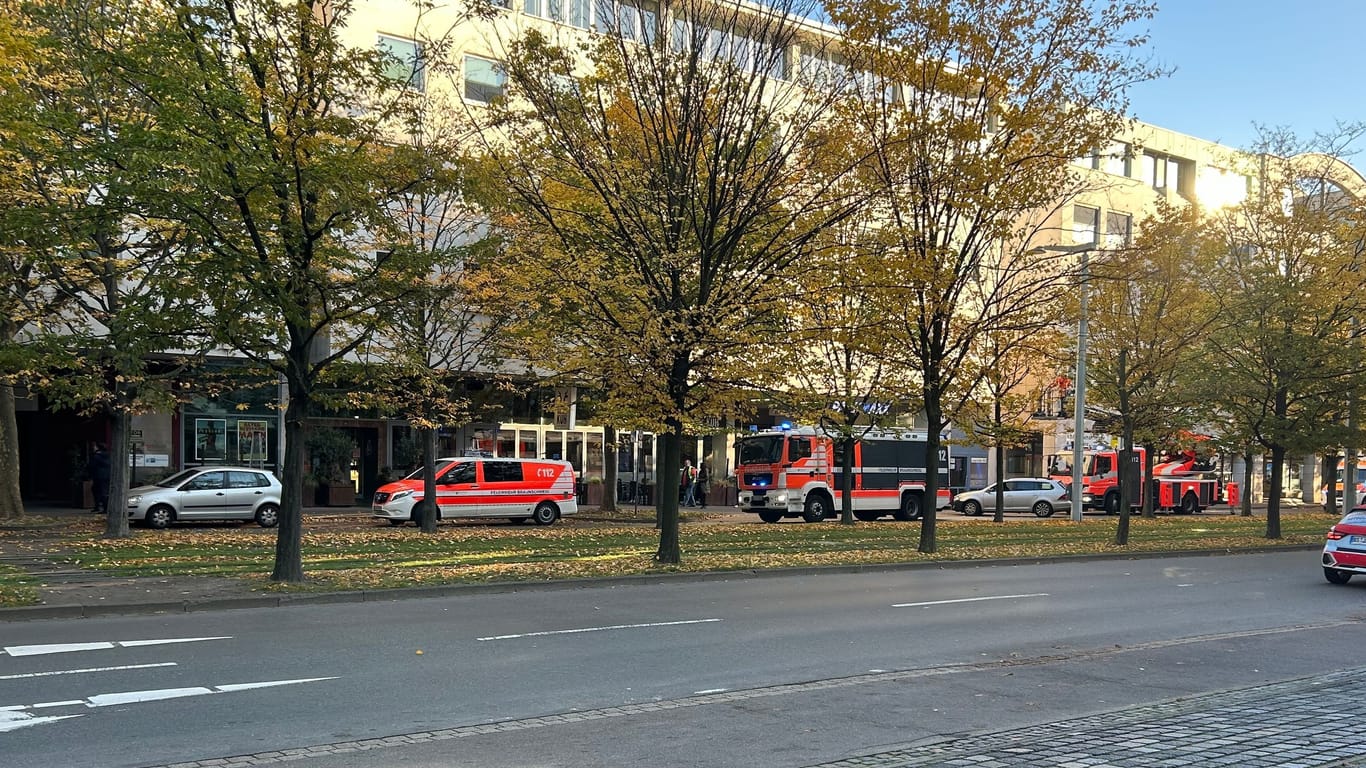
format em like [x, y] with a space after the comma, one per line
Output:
[17, 587]
[361, 554]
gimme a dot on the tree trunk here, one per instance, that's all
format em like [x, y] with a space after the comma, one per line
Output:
[847, 480]
[669, 552]
[1330, 494]
[609, 469]
[1000, 463]
[1273, 503]
[426, 515]
[1149, 494]
[1349, 478]
[11, 505]
[289, 564]
[1245, 503]
[1124, 474]
[116, 501]
[930, 501]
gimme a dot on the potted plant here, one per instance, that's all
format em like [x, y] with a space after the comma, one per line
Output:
[593, 497]
[329, 452]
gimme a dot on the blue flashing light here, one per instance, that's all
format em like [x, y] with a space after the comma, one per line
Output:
[786, 425]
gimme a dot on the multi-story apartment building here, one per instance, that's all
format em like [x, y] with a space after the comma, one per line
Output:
[1141, 167]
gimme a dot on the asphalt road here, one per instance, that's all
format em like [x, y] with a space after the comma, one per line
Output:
[766, 671]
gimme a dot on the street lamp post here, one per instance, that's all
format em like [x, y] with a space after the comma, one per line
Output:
[1079, 425]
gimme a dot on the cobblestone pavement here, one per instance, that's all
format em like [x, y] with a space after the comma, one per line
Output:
[1301, 723]
[1304, 723]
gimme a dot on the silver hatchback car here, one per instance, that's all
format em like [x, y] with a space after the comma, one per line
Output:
[208, 493]
[1039, 495]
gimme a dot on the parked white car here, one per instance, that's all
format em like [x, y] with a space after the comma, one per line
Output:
[1040, 495]
[208, 493]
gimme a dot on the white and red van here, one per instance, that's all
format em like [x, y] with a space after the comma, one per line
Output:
[539, 489]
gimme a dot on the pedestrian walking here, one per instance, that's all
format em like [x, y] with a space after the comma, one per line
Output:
[687, 483]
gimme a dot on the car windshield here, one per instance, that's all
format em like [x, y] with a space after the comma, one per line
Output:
[177, 479]
[1060, 464]
[759, 450]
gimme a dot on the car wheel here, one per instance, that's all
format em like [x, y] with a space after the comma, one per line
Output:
[972, 508]
[1189, 504]
[517, 520]
[268, 516]
[545, 513]
[1335, 576]
[159, 516]
[1043, 509]
[867, 515]
[1112, 503]
[770, 515]
[816, 509]
[910, 508]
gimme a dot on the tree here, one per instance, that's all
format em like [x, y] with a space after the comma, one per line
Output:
[1150, 312]
[1291, 291]
[970, 111]
[659, 195]
[834, 368]
[1010, 361]
[119, 315]
[290, 177]
[443, 330]
[18, 288]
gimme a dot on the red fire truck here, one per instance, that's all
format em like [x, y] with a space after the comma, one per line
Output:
[798, 473]
[1181, 482]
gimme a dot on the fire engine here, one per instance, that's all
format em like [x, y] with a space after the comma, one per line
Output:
[798, 473]
[1181, 482]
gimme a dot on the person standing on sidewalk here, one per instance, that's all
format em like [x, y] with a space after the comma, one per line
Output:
[98, 469]
[699, 494]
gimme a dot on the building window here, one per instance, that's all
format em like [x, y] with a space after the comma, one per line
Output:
[403, 61]
[1118, 229]
[1163, 172]
[1116, 160]
[637, 21]
[484, 79]
[1085, 224]
[580, 13]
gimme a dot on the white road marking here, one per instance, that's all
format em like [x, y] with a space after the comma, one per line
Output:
[38, 650]
[12, 721]
[597, 629]
[710, 690]
[88, 669]
[137, 697]
[970, 600]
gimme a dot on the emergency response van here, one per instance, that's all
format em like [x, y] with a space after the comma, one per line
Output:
[539, 489]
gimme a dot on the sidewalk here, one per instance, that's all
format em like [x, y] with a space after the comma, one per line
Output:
[1291, 724]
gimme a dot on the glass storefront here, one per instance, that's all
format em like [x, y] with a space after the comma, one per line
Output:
[249, 440]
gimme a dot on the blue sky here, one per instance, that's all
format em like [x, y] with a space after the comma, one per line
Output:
[1294, 63]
